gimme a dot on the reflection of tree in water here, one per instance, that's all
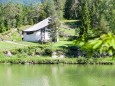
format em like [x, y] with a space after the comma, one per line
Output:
[41, 81]
[57, 75]
[80, 75]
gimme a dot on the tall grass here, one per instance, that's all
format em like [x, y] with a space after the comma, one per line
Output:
[49, 60]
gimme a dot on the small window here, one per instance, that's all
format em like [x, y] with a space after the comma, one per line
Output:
[28, 33]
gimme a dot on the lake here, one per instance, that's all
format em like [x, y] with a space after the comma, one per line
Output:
[57, 75]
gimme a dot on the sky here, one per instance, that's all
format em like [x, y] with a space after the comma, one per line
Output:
[22, 1]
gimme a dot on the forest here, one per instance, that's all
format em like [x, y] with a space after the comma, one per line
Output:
[95, 21]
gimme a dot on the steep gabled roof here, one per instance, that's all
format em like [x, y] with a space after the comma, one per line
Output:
[39, 25]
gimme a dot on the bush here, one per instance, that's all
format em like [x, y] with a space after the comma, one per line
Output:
[71, 38]
[105, 45]
[48, 51]
[2, 55]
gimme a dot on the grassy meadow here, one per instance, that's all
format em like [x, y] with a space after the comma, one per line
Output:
[13, 40]
[7, 45]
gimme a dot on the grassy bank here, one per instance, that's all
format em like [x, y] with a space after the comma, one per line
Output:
[10, 45]
[49, 60]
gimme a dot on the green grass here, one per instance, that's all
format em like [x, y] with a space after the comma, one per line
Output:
[62, 43]
[9, 46]
[28, 43]
[68, 27]
[69, 21]
[49, 60]
[68, 31]
[59, 45]
[38, 60]
[16, 36]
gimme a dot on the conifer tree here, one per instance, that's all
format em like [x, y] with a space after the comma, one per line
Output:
[54, 23]
[25, 21]
[19, 20]
[68, 12]
[110, 15]
[7, 24]
[2, 27]
[31, 22]
[85, 20]
[60, 5]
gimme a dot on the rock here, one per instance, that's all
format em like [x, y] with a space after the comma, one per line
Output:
[58, 54]
[62, 56]
[8, 53]
[1, 39]
[54, 55]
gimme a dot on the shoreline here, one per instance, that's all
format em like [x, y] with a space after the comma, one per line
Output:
[43, 60]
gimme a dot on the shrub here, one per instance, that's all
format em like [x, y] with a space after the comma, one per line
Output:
[104, 44]
[48, 51]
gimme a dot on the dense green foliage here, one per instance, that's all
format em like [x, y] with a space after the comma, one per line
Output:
[14, 15]
[94, 21]
[102, 46]
[95, 17]
[69, 12]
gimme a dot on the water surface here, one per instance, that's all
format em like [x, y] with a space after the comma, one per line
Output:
[57, 75]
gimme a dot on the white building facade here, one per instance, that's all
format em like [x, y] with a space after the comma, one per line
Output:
[38, 32]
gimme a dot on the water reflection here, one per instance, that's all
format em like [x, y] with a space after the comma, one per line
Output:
[56, 75]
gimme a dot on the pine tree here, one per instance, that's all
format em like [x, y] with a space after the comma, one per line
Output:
[25, 21]
[85, 20]
[43, 14]
[13, 23]
[19, 20]
[7, 24]
[2, 27]
[31, 22]
[54, 28]
[60, 5]
[54, 23]
[110, 15]
[93, 15]
[68, 12]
